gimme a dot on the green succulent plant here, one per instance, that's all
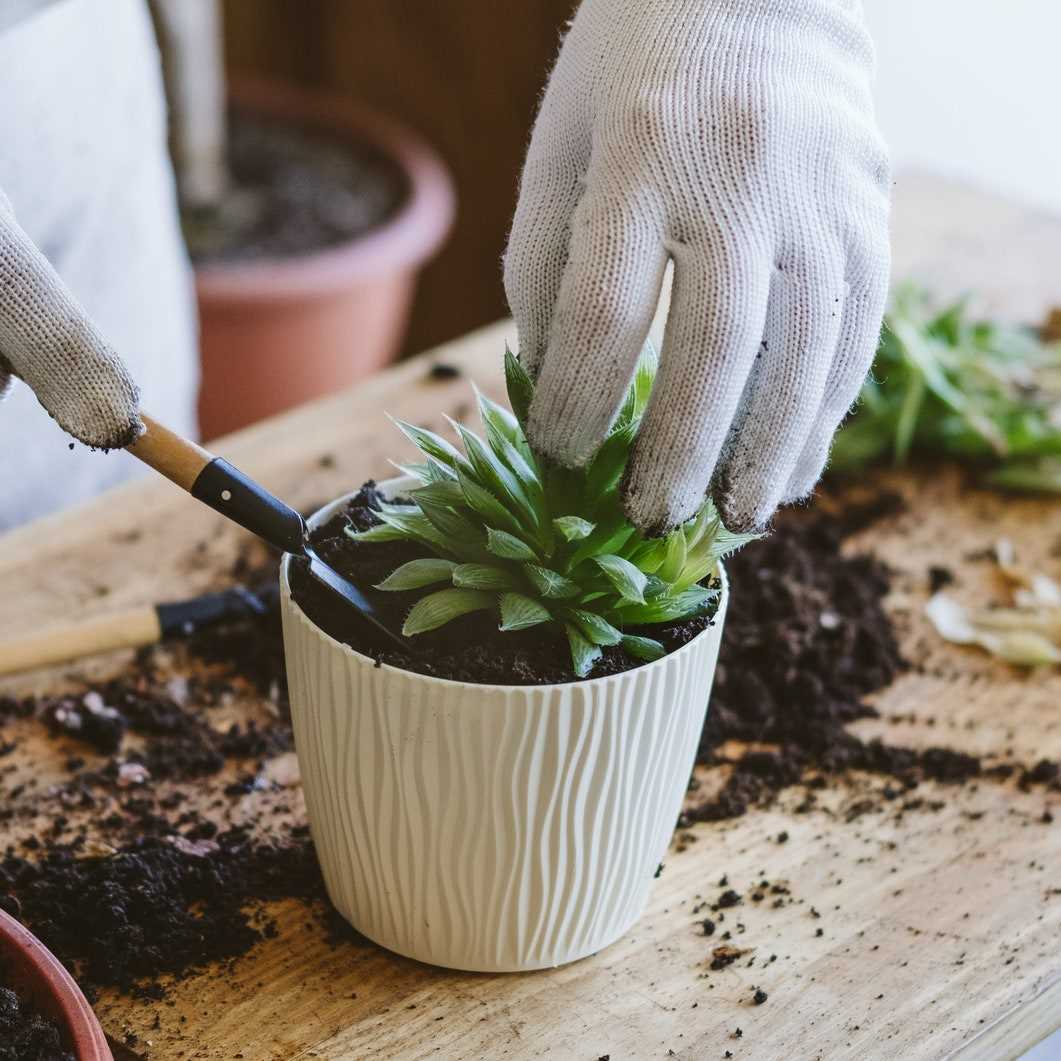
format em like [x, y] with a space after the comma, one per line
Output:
[537, 543]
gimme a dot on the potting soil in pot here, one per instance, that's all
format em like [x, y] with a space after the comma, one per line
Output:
[25, 1034]
[472, 650]
[293, 192]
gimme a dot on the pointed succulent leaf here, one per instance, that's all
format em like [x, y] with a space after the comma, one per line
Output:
[627, 579]
[446, 493]
[519, 461]
[419, 573]
[518, 612]
[641, 388]
[483, 576]
[655, 587]
[419, 528]
[508, 546]
[497, 418]
[667, 609]
[519, 385]
[429, 471]
[452, 524]
[648, 555]
[392, 508]
[431, 444]
[551, 583]
[727, 541]
[573, 528]
[379, 533]
[487, 505]
[674, 556]
[645, 648]
[495, 475]
[593, 627]
[437, 609]
[584, 654]
[607, 466]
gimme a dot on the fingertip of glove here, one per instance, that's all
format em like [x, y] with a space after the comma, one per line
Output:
[740, 512]
[654, 512]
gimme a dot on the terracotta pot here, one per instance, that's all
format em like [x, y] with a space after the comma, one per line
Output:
[276, 333]
[490, 828]
[39, 978]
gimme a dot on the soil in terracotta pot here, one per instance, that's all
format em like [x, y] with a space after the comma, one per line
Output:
[25, 1034]
[471, 649]
[293, 192]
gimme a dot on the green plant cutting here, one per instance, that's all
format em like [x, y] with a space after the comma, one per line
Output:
[540, 544]
[981, 392]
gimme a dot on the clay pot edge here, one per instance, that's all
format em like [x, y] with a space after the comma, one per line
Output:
[410, 236]
[47, 974]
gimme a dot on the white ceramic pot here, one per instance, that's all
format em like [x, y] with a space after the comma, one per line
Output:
[486, 827]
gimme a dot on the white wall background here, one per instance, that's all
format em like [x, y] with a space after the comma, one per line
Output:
[972, 89]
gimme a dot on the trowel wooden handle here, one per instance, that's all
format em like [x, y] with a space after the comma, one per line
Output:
[218, 484]
[127, 629]
[177, 458]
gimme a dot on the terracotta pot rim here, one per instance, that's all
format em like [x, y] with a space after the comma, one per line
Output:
[47, 975]
[398, 483]
[402, 241]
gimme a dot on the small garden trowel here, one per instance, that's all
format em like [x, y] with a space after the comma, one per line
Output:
[227, 490]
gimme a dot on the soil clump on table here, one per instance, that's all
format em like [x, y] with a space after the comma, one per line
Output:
[294, 191]
[472, 650]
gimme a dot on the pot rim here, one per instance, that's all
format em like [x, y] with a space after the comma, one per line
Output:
[400, 242]
[325, 512]
[45, 974]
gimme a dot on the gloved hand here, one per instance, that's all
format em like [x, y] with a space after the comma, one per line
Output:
[736, 138]
[47, 341]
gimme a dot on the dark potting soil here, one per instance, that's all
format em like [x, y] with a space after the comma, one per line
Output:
[294, 192]
[806, 640]
[164, 904]
[179, 891]
[25, 1034]
[471, 650]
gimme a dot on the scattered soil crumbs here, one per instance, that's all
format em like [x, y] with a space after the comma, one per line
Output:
[160, 905]
[473, 650]
[131, 880]
[25, 1034]
[806, 640]
[293, 192]
[164, 882]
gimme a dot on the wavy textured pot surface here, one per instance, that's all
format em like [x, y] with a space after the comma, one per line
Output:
[484, 827]
[38, 976]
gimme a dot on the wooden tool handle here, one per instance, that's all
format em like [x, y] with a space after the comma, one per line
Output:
[218, 484]
[127, 629]
[178, 459]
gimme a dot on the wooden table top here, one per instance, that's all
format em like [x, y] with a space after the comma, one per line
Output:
[941, 930]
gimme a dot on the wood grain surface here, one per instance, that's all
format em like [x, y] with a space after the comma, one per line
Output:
[939, 924]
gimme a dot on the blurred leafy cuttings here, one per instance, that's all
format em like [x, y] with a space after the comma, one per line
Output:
[942, 382]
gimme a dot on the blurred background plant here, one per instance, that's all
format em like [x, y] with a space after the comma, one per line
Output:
[943, 382]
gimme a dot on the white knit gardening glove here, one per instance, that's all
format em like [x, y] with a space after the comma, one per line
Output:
[736, 138]
[47, 341]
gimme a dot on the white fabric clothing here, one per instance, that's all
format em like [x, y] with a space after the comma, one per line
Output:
[83, 163]
[737, 139]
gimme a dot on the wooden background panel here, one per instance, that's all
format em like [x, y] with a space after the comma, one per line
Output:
[466, 74]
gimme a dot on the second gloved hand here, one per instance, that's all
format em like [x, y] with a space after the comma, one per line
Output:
[48, 342]
[735, 138]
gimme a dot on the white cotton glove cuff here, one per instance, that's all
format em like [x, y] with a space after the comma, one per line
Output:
[735, 138]
[47, 341]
